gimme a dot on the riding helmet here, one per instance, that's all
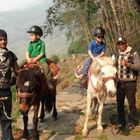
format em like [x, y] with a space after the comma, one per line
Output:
[99, 31]
[35, 29]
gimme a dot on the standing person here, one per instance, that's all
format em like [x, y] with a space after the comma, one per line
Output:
[36, 49]
[96, 49]
[8, 60]
[128, 65]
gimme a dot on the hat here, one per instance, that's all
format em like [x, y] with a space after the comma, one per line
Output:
[121, 40]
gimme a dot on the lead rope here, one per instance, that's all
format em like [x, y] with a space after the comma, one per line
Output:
[5, 111]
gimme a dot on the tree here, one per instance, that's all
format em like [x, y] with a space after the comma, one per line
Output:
[78, 17]
[74, 15]
[120, 17]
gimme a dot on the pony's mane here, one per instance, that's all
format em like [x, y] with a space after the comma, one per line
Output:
[30, 74]
[96, 66]
[107, 60]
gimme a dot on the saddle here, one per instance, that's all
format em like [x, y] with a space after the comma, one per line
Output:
[54, 68]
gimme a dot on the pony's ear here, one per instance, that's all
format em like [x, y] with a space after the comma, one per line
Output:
[113, 57]
[115, 70]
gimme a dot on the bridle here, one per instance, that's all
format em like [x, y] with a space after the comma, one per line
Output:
[24, 95]
[108, 78]
[27, 95]
[103, 79]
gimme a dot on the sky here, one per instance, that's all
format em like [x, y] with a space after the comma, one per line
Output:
[8, 5]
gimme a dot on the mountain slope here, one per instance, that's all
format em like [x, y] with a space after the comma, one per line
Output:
[16, 23]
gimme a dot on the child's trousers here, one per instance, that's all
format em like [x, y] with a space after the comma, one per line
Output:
[86, 65]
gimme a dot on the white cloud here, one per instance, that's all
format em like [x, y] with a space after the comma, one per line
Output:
[8, 5]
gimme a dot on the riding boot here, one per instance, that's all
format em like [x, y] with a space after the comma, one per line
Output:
[83, 81]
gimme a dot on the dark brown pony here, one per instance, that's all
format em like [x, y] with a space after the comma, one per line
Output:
[32, 89]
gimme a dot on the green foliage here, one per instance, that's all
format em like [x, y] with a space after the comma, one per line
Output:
[70, 14]
[134, 16]
[77, 46]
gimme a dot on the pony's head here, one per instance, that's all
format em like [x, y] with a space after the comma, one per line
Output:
[28, 87]
[108, 74]
[104, 67]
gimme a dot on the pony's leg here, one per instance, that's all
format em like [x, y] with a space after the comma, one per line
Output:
[85, 129]
[42, 113]
[54, 114]
[94, 106]
[35, 123]
[25, 133]
[99, 121]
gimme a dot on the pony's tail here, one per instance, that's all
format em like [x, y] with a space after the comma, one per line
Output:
[48, 102]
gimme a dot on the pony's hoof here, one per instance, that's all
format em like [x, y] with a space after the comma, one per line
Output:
[84, 133]
[25, 136]
[41, 120]
[100, 129]
[35, 137]
[54, 118]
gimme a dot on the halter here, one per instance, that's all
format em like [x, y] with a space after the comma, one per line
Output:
[25, 95]
[104, 80]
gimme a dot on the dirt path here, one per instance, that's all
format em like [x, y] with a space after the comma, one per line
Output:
[71, 107]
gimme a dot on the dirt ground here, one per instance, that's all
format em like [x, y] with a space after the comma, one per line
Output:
[71, 107]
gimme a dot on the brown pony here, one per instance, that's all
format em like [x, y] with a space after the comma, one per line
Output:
[32, 89]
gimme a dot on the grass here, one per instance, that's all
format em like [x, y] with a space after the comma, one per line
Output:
[103, 137]
[78, 137]
[15, 107]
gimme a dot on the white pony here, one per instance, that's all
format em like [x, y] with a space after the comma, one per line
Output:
[101, 83]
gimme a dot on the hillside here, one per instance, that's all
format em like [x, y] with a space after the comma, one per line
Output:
[16, 23]
[67, 66]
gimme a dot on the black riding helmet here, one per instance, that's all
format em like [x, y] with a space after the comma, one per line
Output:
[35, 29]
[99, 31]
[3, 33]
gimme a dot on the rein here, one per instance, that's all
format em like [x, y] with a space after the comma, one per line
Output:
[30, 65]
[89, 77]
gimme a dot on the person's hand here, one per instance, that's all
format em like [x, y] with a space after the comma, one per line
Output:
[34, 60]
[124, 63]
[94, 58]
[29, 60]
